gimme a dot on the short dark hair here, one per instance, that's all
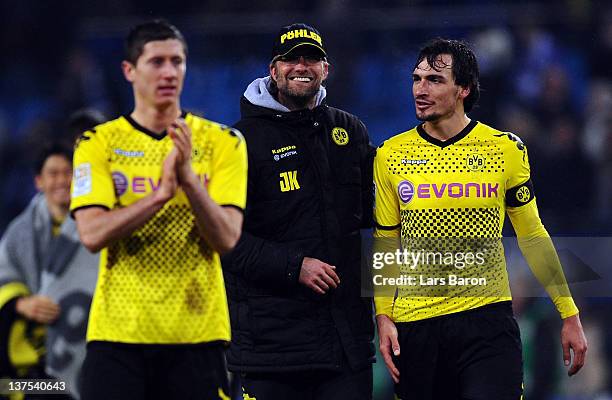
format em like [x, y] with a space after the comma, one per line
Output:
[464, 67]
[158, 29]
[51, 149]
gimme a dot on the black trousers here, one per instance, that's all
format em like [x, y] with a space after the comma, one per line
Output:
[309, 385]
[470, 355]
[121, 371]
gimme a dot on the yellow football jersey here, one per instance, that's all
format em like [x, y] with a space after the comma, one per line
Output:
[449, 198]
[163, 283]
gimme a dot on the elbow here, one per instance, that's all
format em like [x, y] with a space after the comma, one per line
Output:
[229, 243]
[91, 243]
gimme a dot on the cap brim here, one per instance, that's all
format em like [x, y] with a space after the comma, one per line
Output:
[323, 53]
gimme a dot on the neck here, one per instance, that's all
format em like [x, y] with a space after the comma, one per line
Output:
[445, 128]
[58, 211]
[156, 119]
[296, 103]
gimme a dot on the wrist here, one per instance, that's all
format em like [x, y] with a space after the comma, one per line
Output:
[380, 318]
[159, 199]
[189, 181]
[572, 319]
[294, 267]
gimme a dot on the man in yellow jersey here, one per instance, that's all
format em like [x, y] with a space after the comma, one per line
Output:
[448, 331]
[160, 192]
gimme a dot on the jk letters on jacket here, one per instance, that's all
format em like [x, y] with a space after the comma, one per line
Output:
[309, 194]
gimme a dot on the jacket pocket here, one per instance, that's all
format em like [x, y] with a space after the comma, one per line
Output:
[281, 324]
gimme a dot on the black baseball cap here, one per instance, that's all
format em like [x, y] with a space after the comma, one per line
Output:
[294, 36]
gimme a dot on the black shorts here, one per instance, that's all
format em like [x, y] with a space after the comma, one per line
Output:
[141, 371]
[470, 355]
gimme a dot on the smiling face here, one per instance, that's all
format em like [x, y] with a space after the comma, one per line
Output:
[298, 78]
[159, 72]
[436, 94]
[54, 180]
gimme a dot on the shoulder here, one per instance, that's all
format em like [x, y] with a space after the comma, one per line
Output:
[23, 222]
[103, 131]
[343, 117]
[507, 140]
[397, 140]
[216, 130]
[350, 124]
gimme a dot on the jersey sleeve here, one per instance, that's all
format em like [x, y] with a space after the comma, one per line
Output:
[386, 204]
[92, 181]
[387, 223]
[228, 183]
[539, 252]
[533, 239]
[519, 188]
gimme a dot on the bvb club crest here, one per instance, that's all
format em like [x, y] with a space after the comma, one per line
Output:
[340, 136]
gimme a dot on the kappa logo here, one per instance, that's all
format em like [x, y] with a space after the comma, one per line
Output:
[519, 143]
[340, 136]
[284, 152]
[127, 153]
[414, 162]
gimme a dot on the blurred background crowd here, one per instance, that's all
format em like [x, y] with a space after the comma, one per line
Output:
[546, 75]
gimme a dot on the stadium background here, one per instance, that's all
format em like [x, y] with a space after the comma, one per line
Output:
[546, 75]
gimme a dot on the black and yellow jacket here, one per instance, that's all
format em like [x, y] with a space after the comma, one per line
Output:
[309, 194]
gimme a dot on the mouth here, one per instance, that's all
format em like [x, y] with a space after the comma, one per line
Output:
[167, 90]
[422, 105]
[305, 79]
[63, 192]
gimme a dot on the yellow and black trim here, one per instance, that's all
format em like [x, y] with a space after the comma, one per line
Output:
[520, 195]
[387, 228]
[445, 143]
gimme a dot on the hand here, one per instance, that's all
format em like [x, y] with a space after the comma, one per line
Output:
[318, 275]
[572, 337]
[38, 308]
[168, 184]
[387, 342]
[181, 137]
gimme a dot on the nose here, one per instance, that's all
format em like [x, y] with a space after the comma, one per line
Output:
[66, 178]
[301, 62]
[419, 87]
[169, 71]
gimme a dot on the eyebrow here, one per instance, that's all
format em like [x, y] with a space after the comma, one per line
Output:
[428, 76]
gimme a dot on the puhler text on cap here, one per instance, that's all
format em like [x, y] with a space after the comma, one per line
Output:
[298, 33]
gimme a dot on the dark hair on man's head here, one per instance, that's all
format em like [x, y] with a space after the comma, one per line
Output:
[151, 31]
[51, 149]
[464, 65]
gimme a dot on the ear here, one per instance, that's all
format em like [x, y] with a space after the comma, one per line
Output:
[38, 182]
[464, 92]
[128, 70]
[325, 70]
[273, 71]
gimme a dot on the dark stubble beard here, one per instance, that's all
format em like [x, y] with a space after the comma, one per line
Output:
[428, 118]
[298, 98]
